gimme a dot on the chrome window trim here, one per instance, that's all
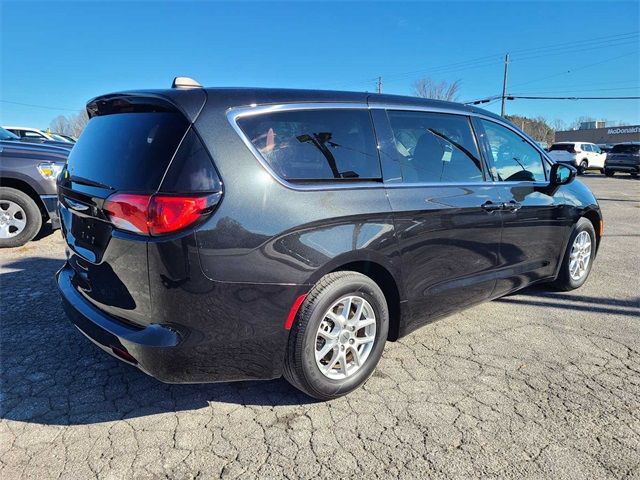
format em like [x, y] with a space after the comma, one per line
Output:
[235, 113]
[488, 183]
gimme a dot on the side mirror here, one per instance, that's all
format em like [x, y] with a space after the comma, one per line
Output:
[562, 174]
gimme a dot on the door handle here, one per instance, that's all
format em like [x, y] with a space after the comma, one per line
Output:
[490, 207]
[512, 206]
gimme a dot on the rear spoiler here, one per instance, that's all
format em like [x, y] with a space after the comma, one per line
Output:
[189, 102]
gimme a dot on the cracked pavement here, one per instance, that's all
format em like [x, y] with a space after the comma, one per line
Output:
[536, 384]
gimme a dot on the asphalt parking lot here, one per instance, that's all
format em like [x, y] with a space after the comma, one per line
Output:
[535, 384]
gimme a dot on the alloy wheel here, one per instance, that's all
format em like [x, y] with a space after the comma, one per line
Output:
[580, 255]
[345, 337]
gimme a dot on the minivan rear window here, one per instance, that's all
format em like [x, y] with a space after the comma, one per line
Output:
[127, 151]
[316, 145]
[632, 149]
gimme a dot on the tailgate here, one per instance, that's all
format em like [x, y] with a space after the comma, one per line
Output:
[561, 155]
[127, 149]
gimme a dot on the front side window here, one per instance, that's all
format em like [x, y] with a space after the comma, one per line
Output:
[514, 159]
[316, 145]
[435, 147]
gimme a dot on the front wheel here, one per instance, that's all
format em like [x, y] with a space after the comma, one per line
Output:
[609, 173]
[578, 257]
[338, 336]
[20, 218]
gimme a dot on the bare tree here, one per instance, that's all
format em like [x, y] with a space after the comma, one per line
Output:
[538, 128]
[559, 125]
[60, 124]
[70, 125]
[79, 122]
[427, 88]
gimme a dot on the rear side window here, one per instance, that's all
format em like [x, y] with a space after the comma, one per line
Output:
[435, 147]
[127, 151]
[192, 169]
[316, 145]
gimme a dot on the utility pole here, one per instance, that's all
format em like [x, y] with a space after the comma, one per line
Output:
[504, 82]
[379, 86]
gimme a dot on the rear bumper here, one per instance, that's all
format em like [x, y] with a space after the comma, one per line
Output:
[179, 353]
[50, 202]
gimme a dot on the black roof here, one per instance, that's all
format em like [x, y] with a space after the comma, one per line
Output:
[190, 100]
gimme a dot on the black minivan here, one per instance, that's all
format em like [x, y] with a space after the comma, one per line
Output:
[227, 234]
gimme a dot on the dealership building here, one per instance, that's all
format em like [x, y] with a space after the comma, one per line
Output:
[597, 132]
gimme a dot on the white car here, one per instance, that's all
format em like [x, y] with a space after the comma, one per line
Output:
[34, 135]
[582, 155]
[28, 133]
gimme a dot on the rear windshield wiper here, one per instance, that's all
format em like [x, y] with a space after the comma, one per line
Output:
[91, 183]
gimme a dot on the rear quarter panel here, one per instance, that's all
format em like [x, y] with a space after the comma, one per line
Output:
[264, 232]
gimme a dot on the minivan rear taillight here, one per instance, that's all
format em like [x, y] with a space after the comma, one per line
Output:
[158, 214]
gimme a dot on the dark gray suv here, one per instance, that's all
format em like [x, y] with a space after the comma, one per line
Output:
[225, 234]
[27, 188]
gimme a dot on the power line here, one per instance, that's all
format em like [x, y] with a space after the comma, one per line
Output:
[581, 45]
[586, 49]
[40, 106]
[492, 102]
[494, 59]
[615, 82]
[491, 97]
[572, 70]
[580, 91]
[518, 97]
[614, 37]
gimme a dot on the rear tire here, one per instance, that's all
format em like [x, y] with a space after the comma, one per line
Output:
[609, 173]
[20, 218]
[314, 324]
[584, 164]
[569, 278]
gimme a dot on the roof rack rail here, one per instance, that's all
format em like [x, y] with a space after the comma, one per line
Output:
[185, 82]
